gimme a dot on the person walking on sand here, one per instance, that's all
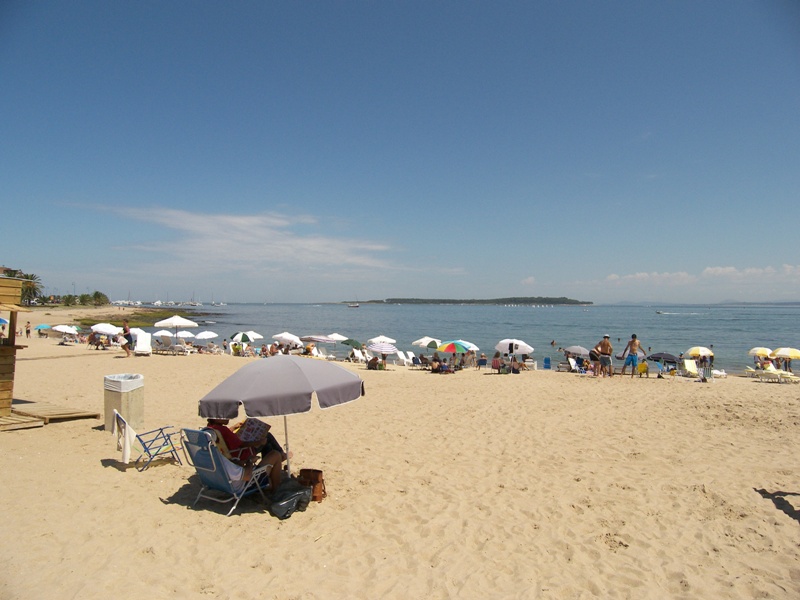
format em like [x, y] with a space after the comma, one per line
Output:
[604, 349]
[126, 333]
[631, 354]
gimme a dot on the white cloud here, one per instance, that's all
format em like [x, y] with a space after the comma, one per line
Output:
[528, 281]
[679, 278]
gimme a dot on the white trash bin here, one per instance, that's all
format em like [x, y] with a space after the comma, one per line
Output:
[125, 393]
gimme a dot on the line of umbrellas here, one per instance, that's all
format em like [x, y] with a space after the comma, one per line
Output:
[764, 352]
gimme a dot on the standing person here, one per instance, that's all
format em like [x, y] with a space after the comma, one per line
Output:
[126, 333]
[28, 329]
[604, 349]
[632, 358]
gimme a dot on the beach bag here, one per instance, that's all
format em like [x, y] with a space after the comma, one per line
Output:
[313, 478]
[289, 498]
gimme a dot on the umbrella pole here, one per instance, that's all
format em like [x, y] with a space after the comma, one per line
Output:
[286, 445]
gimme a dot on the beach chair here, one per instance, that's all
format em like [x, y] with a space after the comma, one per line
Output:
[154, 444]
[482, 362]
[221, 479]
[143, 345]
[546, 363]
[690, 368]
[402, 359]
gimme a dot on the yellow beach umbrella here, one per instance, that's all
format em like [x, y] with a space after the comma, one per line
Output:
[790, 353]
[698, 351]
[760, 351]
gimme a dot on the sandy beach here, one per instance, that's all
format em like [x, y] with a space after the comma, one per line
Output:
[472, 485]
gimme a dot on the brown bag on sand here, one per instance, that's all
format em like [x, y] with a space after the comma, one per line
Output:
[313, 479]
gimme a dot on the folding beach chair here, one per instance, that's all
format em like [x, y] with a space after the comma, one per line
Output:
[219, 474]
[154, 444]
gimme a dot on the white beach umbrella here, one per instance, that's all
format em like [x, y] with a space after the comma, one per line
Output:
[164, 332]
[69, 329]
[381, 339]
[338, 337]
[185, 334]
[288, 338]
[206, 335]
[176, 321]
[514, 346]
[106, 329]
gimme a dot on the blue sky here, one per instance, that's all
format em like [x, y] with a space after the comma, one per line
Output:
[324, 151]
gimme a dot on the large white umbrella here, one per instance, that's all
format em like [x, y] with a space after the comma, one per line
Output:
[185, 334]
[68, 329]
[164, 332]
[205, 335]
[514, 346]
[176, 322]
[381, 339]
[288, 338]
[338, 337]
[106, 329]
[280, 386]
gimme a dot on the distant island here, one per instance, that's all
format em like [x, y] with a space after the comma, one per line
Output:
[523, 300]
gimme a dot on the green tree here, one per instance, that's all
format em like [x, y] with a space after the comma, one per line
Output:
[99, 298]
[85, 299]
[31, 287]
[69, 300]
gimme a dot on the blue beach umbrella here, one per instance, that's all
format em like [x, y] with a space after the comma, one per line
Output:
[3, 321]
[42, 326]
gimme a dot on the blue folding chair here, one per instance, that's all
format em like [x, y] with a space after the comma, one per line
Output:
[546, 364]
[217, 473]
[154, 444]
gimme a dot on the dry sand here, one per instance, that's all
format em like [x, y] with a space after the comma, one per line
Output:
[539, 485]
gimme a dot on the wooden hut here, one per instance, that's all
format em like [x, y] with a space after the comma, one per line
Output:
[10, 298]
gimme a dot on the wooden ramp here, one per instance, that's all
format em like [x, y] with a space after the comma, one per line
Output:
[19, 422]
[49, 412]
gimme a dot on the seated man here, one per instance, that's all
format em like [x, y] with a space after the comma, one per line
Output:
[269, 448]
[436, 365]
[372, 365]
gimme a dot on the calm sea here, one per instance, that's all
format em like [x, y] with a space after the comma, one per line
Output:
[732, 330]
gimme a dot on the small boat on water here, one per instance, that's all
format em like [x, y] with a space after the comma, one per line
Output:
[353, 305]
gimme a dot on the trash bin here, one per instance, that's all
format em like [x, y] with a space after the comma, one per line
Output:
[125, 393]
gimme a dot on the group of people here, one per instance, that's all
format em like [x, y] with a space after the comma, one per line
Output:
[503, 363]
[765, 362]
[600, 357]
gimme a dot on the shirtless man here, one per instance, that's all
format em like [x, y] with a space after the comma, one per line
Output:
[604, 349]
[632, 355]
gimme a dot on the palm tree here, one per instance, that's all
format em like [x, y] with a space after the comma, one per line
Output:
[31, 287]
[99, 298]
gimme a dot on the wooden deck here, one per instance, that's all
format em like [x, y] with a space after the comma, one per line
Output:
[19, 422]
[49, 412]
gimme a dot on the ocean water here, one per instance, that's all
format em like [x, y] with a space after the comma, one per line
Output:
[731, 329]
